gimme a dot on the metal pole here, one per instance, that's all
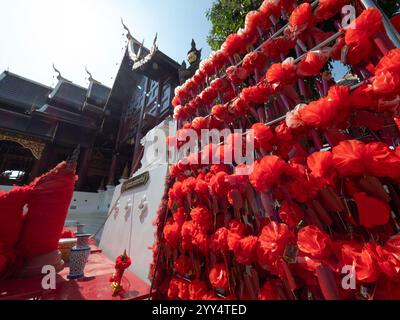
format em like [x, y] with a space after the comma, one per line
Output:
[390, 30]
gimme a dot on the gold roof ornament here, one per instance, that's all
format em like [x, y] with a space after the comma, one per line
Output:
[136, 56]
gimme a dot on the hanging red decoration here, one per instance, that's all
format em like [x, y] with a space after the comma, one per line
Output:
[122, 263]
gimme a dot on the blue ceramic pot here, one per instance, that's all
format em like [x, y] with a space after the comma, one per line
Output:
[79, 256]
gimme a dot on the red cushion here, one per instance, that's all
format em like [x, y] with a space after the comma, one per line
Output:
[11, 220]
[47, 211]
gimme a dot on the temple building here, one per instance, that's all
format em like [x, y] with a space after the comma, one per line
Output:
[40, 126]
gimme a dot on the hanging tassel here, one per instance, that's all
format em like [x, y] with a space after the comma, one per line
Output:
[266, 200]
[316, 139]
[374, 186]
[327, 283]
[331, 200]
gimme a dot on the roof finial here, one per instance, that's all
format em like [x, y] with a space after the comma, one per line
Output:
[59, 76]
[139, 53]
[154, 47]
[91, 79]
[129, 35]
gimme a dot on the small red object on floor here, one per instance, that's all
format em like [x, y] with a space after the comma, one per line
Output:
[95, 285]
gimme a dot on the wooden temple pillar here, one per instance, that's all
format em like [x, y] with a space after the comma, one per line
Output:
[83, 168]
[111, 174]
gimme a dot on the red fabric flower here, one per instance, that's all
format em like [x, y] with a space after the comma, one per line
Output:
[123, 262]
[240, 107]
[237, 180]
[301, 18]
[271, 8]
[291, 214]
[388, 258]
[348, 158]
[257, 94]
[312, 64]
[256, 20]
[387, 75]
[272, 243]
[219, 185]
[221, 112]
[358, 37]
[188, 185]
[267, 173]
[172, 233]
[219, 278]
[329, 8]
[202, 217]
[218, 84]
[233, 44]
[202, 241]
[197, 289]
[321, 166]
[220, 240]
[183, 265]
[237, 231]
[283, 133]
[372, 211]
[354, 158]
[178, 288]
[311, 240]
[284, 73]
[246, 250]
[255, 60]
[199, 124]
[362, 258]
[187, 233]
[323, 112]
[201, 188]
[237, 74]
[175, 195]
[274, 48]
[364, 97]
[208, 95]
[262, 135]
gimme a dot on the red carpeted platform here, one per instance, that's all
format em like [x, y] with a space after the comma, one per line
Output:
[95, 286]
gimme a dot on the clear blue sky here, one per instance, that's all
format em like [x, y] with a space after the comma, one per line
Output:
[78, 33]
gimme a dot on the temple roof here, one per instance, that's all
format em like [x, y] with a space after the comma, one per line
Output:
[68, 96]
[98, 94]
[21, 93]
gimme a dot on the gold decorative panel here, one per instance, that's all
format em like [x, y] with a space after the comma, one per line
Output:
[36, 147]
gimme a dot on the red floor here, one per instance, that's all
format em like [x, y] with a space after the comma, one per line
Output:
[95, 286]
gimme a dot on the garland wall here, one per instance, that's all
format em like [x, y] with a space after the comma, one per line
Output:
[323, 198]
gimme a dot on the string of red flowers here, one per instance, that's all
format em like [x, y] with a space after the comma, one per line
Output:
[279, 79]
[287, 230]
[274, 47]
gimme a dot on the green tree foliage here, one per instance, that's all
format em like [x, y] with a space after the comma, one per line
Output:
[227, 16]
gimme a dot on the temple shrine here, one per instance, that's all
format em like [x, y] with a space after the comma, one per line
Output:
[40, 126]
